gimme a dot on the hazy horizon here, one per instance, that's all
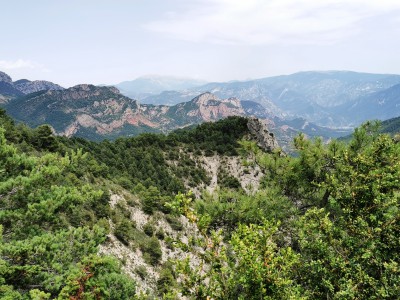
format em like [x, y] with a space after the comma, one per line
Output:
[107, 42]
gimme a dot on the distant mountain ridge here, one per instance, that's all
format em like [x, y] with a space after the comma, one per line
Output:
[391, 126]
[149, 85]
[10, 89]
[99, 112]
[93, 112]
[379, 105]
[325, 98]
[312, 102]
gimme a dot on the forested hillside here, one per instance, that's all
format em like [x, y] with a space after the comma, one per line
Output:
[391, 126]
[88, 220]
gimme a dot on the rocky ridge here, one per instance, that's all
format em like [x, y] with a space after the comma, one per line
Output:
[265, 139]
[324, 98]
[10, 89]
[5, 78]
[99, 112]
[93, 111]
[26, 87]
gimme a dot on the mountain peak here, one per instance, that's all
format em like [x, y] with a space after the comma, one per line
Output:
[10, 89]
[22, 81]
[114, 89]
[204, 98]
[83, 87]
[27, 86]
[93, 88]
[5, 78]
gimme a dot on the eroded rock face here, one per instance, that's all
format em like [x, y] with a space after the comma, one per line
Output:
[208, 107]
[265, 139]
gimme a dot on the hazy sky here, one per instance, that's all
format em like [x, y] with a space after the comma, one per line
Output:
[99, 41]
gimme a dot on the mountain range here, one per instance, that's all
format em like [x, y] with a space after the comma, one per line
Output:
[97, 113]
[326, 104]
[331, 98]
[10, 89]
[146, 86]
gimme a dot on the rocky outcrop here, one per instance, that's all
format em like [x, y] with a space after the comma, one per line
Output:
[265, 139]
[25, 86]
[7, 88]
[210, 108]
[204, 108]
[95, 110]
[11, 90]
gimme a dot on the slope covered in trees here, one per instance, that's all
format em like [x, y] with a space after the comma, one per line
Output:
[322, 225]
[331, 230]
[53, 218]
[391, 126]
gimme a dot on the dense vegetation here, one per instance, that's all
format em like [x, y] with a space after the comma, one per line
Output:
[392, 126]
[322, 225]
[165, 162]
[326, 227]
[53, 218]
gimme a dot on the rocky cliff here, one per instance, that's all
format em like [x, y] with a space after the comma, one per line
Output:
[265, 138]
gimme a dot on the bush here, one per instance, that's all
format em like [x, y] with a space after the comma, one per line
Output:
[160, 234]
[151, 251]
[165, 282]
[148, 229]
[174, 222]
[141, 271]
[170, 243]
[124, 231]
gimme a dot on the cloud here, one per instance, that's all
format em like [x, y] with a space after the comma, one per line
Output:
[260, 22]
[21, 64]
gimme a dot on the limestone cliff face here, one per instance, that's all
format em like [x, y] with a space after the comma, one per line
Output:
[204, 108]
[210, 108]
[265, 139]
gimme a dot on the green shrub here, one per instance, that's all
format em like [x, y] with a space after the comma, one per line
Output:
[174, 222]
[141, 271]
[151, 251]
[124, 231]
[148, 229]
[165, 282]
[160, 234]
[170, 243]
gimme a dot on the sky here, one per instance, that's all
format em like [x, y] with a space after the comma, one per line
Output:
[109, 41]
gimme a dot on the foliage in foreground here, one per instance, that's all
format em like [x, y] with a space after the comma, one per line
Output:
[323, 225]
[50, 215]
[342, 241]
